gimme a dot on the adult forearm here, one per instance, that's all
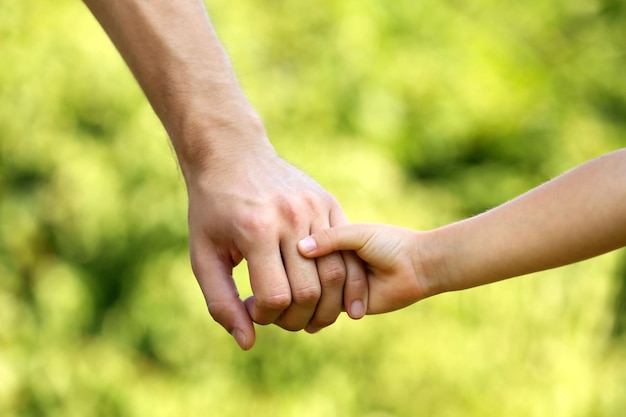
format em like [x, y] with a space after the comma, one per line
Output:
[576, 216]
[175, 55]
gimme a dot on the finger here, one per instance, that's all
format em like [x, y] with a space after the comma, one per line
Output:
[305, 288]
[269, 283]
[350, 237]
[214, 275]
[356, 287]
[331, 270]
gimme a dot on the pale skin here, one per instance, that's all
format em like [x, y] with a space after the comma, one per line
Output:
[578, 215]
[245, 202]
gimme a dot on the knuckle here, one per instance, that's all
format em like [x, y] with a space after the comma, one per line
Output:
[290, 208]
[277, 302]
[332, 273]
[307, 295]
[256, 223]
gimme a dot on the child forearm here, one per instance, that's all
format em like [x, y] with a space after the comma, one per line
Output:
[576, 216]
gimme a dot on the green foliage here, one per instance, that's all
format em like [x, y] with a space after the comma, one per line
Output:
[413, 113]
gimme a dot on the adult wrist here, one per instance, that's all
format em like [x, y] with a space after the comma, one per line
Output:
[211, 141]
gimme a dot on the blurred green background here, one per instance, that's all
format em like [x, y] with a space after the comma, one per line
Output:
[411, 113]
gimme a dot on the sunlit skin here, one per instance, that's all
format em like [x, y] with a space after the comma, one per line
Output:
[244, 201]
[578, 215]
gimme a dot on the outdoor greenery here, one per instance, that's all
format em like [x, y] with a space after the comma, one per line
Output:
[410, 113]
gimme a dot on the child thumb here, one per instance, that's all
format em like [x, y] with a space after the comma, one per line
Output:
[318, 244]
[329, 240]
[308, 247]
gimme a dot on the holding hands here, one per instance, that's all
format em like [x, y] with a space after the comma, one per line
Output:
[396, 275]
[257, 210]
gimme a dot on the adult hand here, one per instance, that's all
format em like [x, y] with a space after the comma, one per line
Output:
[255, 206]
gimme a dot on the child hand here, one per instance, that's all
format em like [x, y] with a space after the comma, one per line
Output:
[392, 257]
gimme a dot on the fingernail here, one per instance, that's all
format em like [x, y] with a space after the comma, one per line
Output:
[240, 338]
[357, 309]
[308, 244]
